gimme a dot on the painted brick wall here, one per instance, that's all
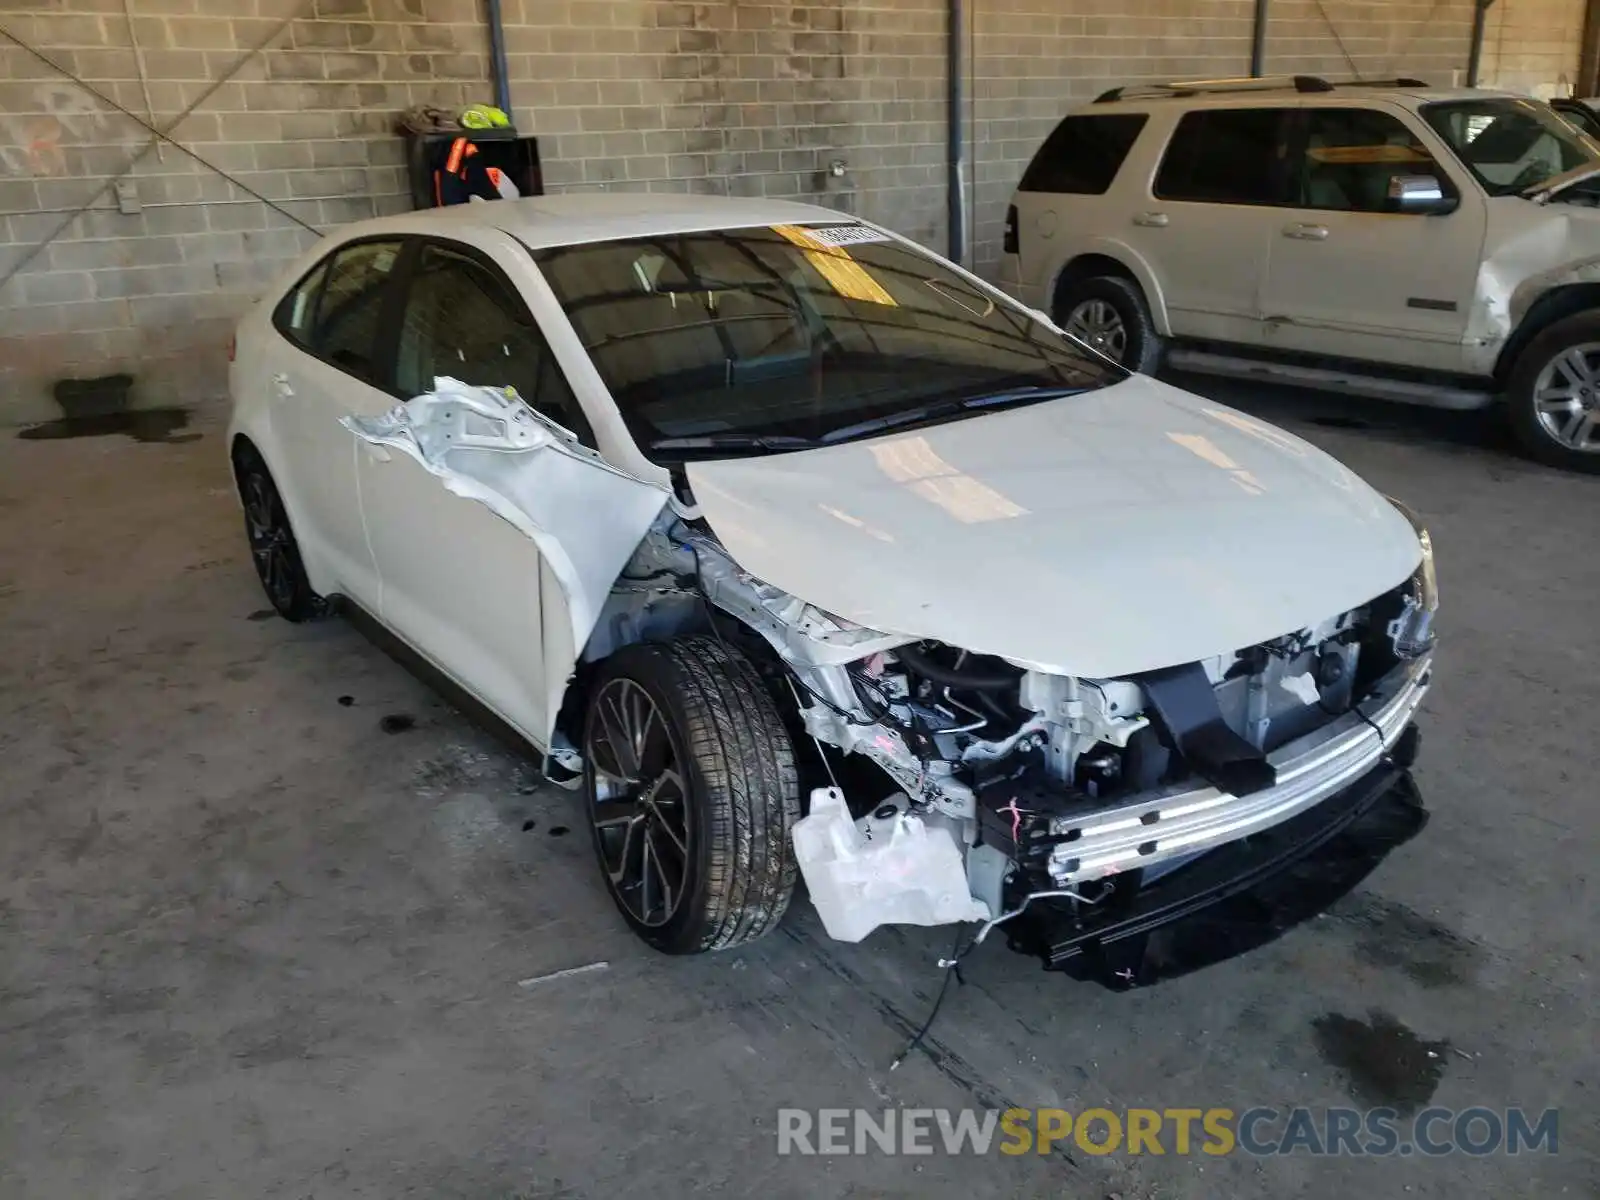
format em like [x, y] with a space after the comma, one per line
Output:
[749, 97]
[305, 123]
[1533, 46]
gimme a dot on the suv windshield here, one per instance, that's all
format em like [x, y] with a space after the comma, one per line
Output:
[776, 338]
[1510, 145]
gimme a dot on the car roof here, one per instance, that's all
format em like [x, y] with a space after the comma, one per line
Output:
[577, 217]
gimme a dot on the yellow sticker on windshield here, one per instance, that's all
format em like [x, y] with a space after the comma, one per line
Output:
[833, 262]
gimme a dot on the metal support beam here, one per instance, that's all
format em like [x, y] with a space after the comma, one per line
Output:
[956, 182]
[1258, 41]
[1480, 18]
[497, 57]
[1588, 81]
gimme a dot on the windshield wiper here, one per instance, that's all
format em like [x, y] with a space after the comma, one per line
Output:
[772, 442]
[946, 408]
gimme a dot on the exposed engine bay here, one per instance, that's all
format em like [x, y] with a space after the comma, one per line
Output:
[1046, 785]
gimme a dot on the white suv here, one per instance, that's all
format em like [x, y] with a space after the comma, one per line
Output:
[1432, 246]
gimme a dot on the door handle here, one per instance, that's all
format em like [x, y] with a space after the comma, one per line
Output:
[373, 451]
[1306, 233]
[280, 384]
[1155, 220]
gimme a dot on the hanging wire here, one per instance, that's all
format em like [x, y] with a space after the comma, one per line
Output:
[1334, 29]
[158, 136]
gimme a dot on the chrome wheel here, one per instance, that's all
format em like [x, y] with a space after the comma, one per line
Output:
[1098, 324]
[271, 546]
[1566, 397]
[640, 806]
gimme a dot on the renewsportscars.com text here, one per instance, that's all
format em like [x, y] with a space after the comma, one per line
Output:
[1260, 1132]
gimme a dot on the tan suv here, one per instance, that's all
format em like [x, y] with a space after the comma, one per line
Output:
[1432, 246]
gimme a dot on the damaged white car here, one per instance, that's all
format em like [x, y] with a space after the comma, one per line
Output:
[803, 552]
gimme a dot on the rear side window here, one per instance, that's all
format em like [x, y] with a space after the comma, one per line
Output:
[346, 328]
[333, 312]
[1226, 156]
[298, 311]
[1084, 154]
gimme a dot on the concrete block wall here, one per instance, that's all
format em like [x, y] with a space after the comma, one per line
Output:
[305, 123]
[747, 97]
[1533, 46]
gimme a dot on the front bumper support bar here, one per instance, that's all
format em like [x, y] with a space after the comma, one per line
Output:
[1238, 896]
[1183, 821]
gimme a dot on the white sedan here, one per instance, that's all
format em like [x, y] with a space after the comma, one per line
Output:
[802, 551]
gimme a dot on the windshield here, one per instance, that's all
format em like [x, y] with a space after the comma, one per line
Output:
[776, 338]
[1510, 145]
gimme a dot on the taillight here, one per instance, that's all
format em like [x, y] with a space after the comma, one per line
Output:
[233, 346]
[1010, 244]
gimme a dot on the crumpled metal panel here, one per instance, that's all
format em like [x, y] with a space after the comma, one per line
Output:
[586, 517]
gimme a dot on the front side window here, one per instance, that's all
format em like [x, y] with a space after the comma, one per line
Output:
[462, 320]
[1350, 156]
[1084, 154]
[771, 337]
[1510, 145]
[1226, 156]
[345, 329]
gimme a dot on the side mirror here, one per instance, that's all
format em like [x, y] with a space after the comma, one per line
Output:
[1420, 194]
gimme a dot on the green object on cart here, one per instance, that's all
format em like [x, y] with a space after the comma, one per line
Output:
[483, 116]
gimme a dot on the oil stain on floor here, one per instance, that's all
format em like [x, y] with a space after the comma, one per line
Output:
[1386, 1063]
[142, 425]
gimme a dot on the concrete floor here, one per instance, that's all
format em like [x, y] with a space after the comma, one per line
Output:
[253, 945]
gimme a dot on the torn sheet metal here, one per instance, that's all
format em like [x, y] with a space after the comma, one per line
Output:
[484, 444]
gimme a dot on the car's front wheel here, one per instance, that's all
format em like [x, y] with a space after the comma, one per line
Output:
[690, 781]
[1109, 313]
[1554, 394]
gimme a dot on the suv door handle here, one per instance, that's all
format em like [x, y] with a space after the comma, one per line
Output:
[1306, 233]
[1155, 220]
[280, 385]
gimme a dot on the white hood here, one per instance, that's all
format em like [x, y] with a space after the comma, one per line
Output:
[1119, 531]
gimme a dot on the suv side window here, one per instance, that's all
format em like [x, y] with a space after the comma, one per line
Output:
[463, 320]
[1349, 155]
[345, 328]
[1084, 154]
[1226, 156]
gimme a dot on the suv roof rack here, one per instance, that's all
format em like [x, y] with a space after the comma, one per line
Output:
[1270, 83]
[1403, 81]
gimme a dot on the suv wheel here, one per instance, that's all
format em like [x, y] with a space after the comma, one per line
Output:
[690, 783]
[1109, 313]
[1554, 393]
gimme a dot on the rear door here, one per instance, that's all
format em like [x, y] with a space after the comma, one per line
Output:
[1350, 276]
[1206, 224]
[334, 326]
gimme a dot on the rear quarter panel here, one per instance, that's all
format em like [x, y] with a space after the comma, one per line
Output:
[1055, 229]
